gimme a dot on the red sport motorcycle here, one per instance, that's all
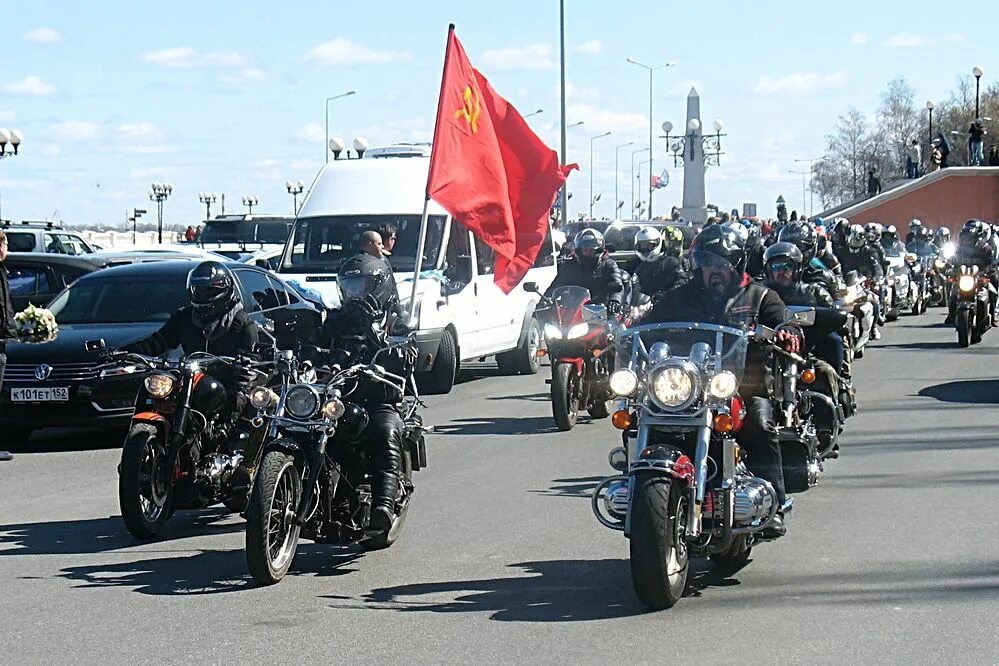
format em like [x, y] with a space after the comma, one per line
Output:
[579, 337]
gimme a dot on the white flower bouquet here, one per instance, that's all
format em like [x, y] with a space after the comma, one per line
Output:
[35, 325]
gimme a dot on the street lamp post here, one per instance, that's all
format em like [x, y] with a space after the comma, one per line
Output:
[811, 162]
[294, 189]
[617, 200]
[12, 138]
[637, 152]
[326, 153]
[136, 214]
[207, 198]
[592, 139]
[651, 69]
[802, 174]
[250, 202]
[534, 113]
[639, 178]
[977, 71]
[710, 143]
[929, 107]
[563, 193]
[159, 192]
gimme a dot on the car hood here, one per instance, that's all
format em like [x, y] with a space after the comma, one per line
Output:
[68, 347]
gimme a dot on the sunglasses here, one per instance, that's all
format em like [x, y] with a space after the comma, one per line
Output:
[781, 266]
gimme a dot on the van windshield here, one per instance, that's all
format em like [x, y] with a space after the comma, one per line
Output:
[227, 231]
[320, 244]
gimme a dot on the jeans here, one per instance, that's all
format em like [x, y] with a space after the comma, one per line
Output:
[830, 350]
[977, 153]
[911, 169]
[759, 438]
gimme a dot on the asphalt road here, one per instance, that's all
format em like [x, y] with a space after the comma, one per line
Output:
[892, 558]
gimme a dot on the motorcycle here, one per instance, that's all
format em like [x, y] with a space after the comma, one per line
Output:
[179, 452]
[902, 287]
[853, 299]
[971, 305]
[311, 481]
[935, 277]
[683, 490]
[579, 339]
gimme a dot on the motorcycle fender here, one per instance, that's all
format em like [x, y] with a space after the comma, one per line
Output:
[285, 444]
[966, 305]
[161, 422]
[577, 362]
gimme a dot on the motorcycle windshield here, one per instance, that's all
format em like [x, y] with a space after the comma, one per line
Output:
[569, 302]
[710, 347]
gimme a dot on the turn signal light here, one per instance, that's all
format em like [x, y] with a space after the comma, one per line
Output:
[808, 375]
[597, 353]
[621, 419]
[541, 352]
[724, 423]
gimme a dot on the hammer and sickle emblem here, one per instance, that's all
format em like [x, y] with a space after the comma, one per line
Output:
[471, 110]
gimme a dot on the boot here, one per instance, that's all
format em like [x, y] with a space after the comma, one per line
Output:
[384, 490]
[776, 529]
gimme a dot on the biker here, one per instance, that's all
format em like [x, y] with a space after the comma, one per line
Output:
[922, 243]
[720, 292]
[593, 269]
[837, 235]
[915, 224]
[941, 237]
[859, 256]
[824, 252]
[874, 233]
[975, 247]
[653, 271]
[803, 236]
[354, 333]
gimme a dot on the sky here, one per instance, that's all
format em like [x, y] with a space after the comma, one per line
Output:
[229, 97]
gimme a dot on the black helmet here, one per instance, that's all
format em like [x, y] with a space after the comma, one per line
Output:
[719, 246]
[783, 252]
[801, 234]
[589, 244]
[366, 279]
[921, 233]
[211, 287]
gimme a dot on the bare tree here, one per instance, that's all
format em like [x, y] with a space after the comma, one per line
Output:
[898, 124]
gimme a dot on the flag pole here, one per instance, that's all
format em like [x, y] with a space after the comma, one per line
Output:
[421, 244]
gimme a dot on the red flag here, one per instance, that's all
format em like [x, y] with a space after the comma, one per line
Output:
[490, 170]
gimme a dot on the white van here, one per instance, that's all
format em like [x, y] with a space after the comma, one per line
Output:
[462, 315]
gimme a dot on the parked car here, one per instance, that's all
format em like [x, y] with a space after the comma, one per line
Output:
[35, 278]
[60, 383]
[620, 237]
[46, 237]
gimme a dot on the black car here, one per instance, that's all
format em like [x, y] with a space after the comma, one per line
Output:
[60, 383]
[36, 277]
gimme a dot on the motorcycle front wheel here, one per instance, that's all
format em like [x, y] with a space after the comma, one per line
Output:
[963, 324]
[659, 555]
[271, 532]
[565, 396]
[145, 491]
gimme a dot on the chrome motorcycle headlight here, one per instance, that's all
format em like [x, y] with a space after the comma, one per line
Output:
[966, 282]
[577, 331]
[552, 332]
[623, 382]
[723, 385]
[673, 387]
[159, 385]
[262, 397]
[302, 402]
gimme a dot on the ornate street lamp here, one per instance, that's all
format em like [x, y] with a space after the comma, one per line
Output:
[710, 143]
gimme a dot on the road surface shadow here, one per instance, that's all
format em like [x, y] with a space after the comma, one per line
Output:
[957, 440]
[981, 391]
[544, 396]
[556, 591]
[578, 487]
[500, 425]
[101, 535]
[920, 345]
[53, 440]
[914, 481]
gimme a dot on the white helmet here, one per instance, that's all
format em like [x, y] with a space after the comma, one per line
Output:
[649, 244]
[739, 228]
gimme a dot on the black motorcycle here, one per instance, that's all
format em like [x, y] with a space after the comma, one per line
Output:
[312, 481]
[972, 317]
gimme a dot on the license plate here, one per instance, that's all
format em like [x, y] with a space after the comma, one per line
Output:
[47, 394]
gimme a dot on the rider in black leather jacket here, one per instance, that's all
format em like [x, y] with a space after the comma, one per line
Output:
[593, 269]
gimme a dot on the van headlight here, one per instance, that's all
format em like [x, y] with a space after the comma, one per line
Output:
[262, 397]
[966, 282]
[302, 402]
[577, 331]
[723, 385]
[552, 332]
[159, 385]
[623, 382]
[673, 387]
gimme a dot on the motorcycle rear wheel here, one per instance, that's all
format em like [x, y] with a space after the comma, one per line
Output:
[963, 325]
[145, 494]
[386, 539]
[271, 532]
[659, 556]
[565, 396]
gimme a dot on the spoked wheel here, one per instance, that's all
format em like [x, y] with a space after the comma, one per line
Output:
[271, 532]
[565, 396]
[659, 555]
[145, 491]
[963, 324]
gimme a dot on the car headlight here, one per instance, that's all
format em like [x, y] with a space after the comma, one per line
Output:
[673, 387]
[262, 397]
[966, 282]
[159, 385]
[552, 332]
[623, 382]
[723, 385]
[334, 409]
[302, 402]
[577, 331]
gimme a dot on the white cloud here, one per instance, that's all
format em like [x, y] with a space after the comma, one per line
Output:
[342, 51]
[572, 92]
[533, 56]
[29, 85]
[597, 120]
[859, 38]
[42, 36]
[75, 130]
[247, 75]
[590, 47]
[905, 40]
[185, 57]
[311, 133]
[799, 82]
[137, 130]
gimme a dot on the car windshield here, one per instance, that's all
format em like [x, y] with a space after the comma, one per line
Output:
[320, 244]
[120, 301]
[251, 232]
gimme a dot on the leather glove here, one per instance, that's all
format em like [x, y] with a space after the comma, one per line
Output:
[789, 341]
[614, 308]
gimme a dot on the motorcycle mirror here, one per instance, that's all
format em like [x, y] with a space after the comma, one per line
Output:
[531, 287]
[95, 345]
[803, 316]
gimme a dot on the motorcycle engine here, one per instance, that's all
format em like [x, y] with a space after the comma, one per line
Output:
[754, 499]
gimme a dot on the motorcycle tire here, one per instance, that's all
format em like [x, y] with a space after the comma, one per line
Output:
[598, 410]
[386, 539]
[139, 457]
[277, 484]
[565, 396]
[658, 549]
[963, 325]
[737, 555]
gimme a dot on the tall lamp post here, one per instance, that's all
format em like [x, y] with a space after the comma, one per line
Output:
[11, 138]
[565, 196]
[207, 198]
[929, 107]
[639, 178]
[811, 162]
[592, 139]
[617, 177]
[136, 214]
[802, 174]
[326, 153]
[651, 69]
[294, 189]
[250, 202]
[534, 113]
[159, 193]
[977, 71]
[637, 152]
[564, 192]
